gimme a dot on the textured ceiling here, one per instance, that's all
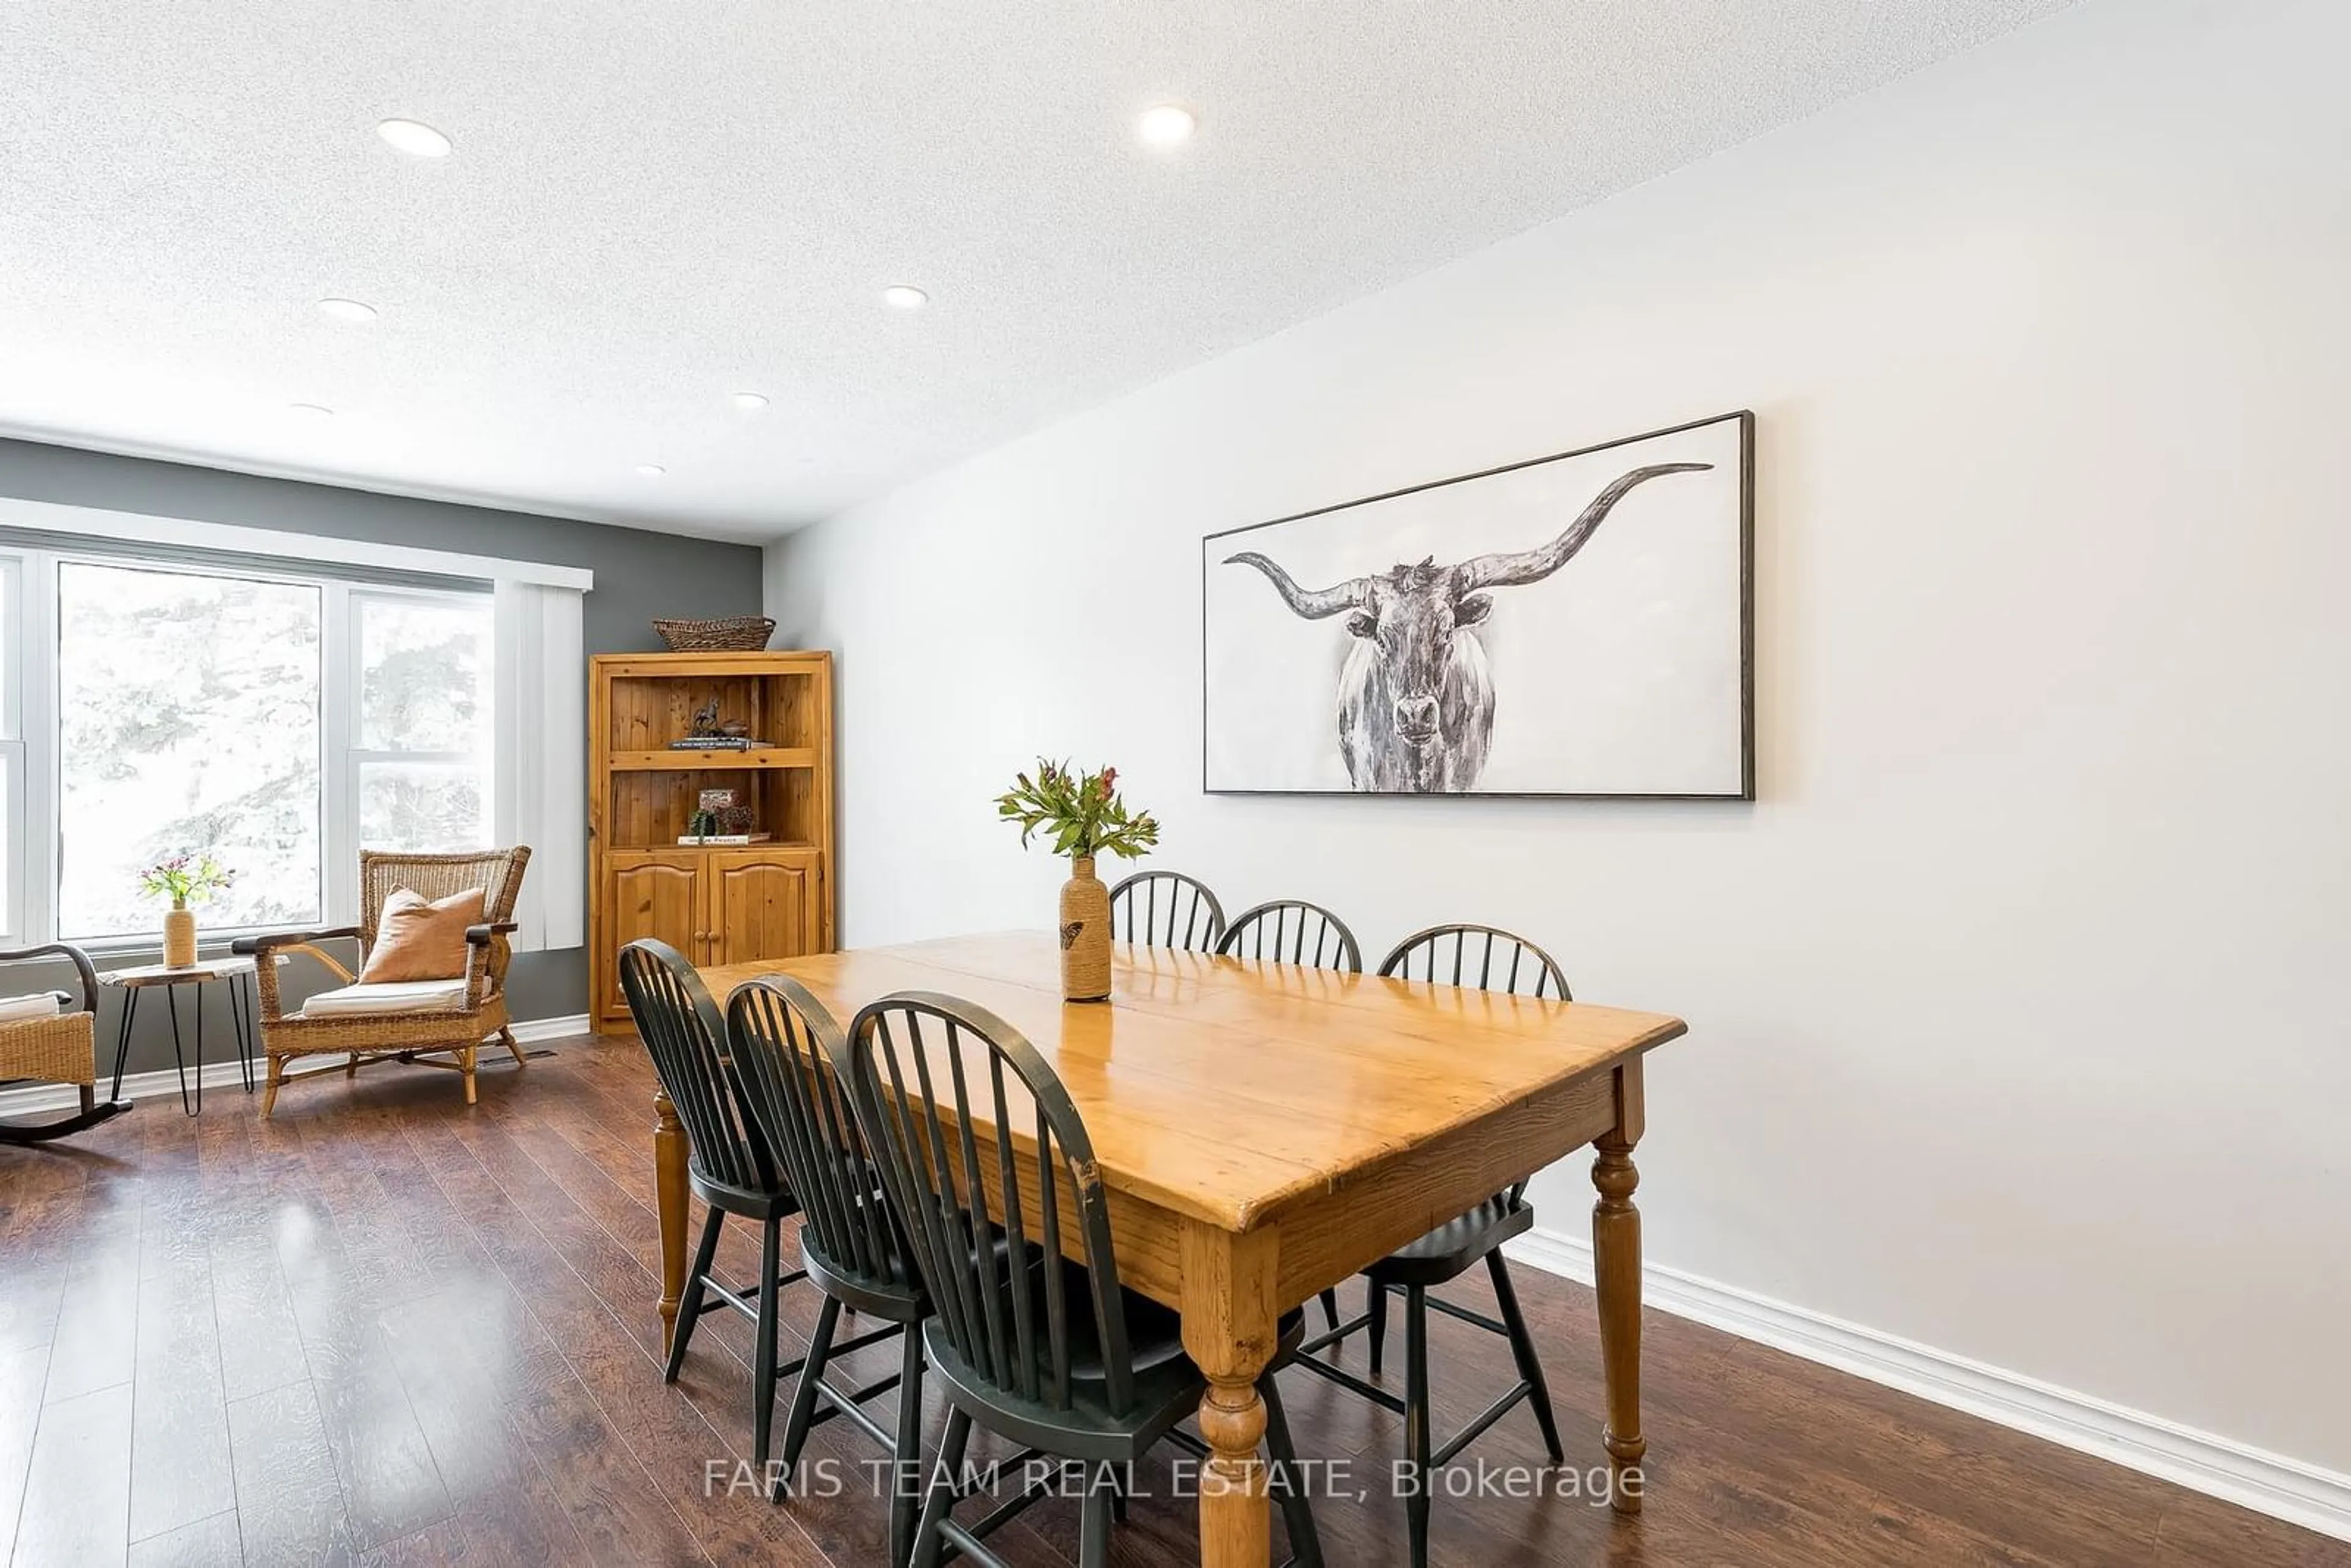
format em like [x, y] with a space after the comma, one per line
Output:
[653, 206]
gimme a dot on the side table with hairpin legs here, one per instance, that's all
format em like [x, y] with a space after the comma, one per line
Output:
[236, 973]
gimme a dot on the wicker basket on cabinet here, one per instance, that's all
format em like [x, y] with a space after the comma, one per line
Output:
[734, 634]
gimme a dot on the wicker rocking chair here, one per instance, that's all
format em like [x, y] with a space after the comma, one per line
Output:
[58, 1048]
[413, 1022]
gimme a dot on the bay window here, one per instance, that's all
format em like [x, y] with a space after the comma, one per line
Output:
[280, 718]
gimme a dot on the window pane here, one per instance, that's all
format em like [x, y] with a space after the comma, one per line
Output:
[424, 667]
[12, 763]
[188, 721]
[429, 806]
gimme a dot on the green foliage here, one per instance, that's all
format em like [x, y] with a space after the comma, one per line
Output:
[1082, 814]
[183, 877]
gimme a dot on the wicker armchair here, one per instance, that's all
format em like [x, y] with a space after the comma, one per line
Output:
[61, 1047]
[439, 1021]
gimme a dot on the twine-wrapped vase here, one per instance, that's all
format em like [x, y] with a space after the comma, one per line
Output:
[179, 936]
[1085, 934]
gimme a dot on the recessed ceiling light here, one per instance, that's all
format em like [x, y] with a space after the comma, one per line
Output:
[750, 402]
[414, 137]
[1165, 124]
[652, 470]
[311, 409]
[347, 310]
[905, 296]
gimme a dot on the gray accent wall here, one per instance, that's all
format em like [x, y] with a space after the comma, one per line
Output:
[639, 575]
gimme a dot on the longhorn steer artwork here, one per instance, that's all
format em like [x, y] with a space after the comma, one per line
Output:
[1415, 705]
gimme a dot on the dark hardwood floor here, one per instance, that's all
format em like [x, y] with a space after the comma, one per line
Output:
[382, 1328]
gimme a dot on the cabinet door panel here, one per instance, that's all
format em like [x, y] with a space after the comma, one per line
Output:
[651, 895]
[765, 903]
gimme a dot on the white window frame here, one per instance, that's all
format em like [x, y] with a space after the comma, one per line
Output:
[44, 672]
[16, 925]
[318, 549]
[341, 683]
[536, 684]
[31, 616]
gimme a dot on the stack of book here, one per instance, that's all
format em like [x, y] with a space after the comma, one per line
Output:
[717, 743]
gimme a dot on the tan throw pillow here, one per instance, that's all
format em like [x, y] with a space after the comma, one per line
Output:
[419, 941]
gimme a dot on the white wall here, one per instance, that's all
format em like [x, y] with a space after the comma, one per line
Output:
[2017, 1019]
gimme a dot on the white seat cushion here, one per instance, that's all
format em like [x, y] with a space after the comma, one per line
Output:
[386, 997]
[39, 1005]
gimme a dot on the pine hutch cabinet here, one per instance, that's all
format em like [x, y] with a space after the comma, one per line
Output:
[717, 903]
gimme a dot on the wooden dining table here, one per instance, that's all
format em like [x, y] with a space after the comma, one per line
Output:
[1265, 1130]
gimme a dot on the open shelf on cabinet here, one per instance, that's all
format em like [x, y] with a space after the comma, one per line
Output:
[669, 761]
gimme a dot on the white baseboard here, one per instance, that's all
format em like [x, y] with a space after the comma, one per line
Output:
[44, 1099]
[531, 1031]
[2268, 1483]
[47, 1099]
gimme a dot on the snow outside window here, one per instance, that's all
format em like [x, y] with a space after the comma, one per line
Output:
[168, 688]
[279, 723]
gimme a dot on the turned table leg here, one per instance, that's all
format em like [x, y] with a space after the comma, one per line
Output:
[1616, 1277]
[669, 1198]
[1229, 1321]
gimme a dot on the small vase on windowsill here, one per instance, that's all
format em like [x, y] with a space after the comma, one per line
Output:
[189, 874]
[178, 936]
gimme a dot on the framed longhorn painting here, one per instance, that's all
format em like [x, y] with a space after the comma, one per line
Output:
[1580, 625]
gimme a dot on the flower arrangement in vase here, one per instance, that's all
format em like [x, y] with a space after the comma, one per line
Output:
[182, 878]
[1084, 816]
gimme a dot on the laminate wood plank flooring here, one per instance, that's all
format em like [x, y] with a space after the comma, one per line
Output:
[386, 1330]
